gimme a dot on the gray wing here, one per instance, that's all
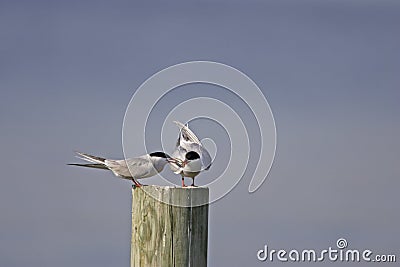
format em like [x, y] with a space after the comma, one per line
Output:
[188, 141]
[139, 167]
[179, 153]
[186, 134]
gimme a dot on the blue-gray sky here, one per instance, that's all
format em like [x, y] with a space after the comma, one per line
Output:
[330, 72]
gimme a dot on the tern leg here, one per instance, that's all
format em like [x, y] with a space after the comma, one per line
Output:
[137, 184]
[193, 182]
[183, 181]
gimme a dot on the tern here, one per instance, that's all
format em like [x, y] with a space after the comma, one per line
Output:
[140, 167]
[190, 156]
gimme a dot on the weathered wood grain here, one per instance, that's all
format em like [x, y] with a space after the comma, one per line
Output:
[169, 235]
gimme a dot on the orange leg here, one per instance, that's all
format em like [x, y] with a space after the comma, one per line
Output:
[137, 184]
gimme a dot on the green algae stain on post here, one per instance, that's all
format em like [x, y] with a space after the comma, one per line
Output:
[169, 235]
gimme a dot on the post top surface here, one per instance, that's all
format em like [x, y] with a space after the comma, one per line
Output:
[160, 187]
[177, 196]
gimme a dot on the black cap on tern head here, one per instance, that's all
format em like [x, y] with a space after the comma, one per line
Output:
[191, 155]
[160, 155]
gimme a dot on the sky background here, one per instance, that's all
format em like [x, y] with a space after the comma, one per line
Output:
[330, 72]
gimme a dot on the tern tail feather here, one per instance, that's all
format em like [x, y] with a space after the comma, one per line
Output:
[93, 165]
[90, 158]
[187, 133]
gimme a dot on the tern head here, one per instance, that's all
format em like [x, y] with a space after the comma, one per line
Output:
[192, 155]
[159, 155]
[192, 162]
[159, 160]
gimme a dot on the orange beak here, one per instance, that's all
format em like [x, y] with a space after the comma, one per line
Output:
[185, 162]
[176, 161]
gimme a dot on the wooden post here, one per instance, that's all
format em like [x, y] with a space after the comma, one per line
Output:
[169, 235]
